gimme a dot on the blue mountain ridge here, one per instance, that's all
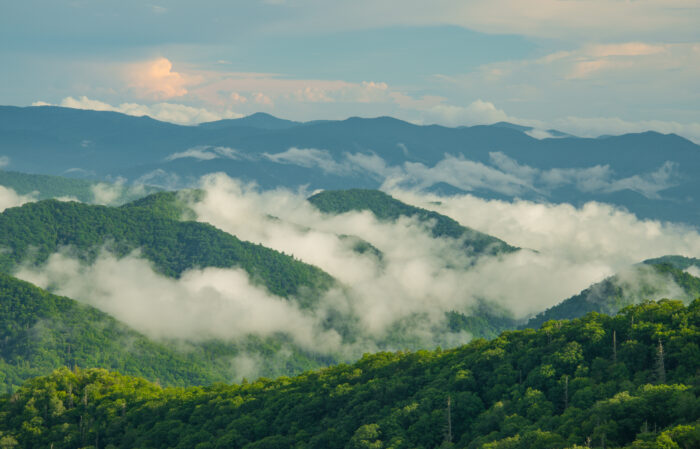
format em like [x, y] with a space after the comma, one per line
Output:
[651, 174]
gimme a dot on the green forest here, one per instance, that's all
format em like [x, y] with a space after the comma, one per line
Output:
[628, 381]
[34, 231]
[46, 186]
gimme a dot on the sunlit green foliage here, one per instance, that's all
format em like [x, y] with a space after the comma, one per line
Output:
[36, 230]
[566, 385]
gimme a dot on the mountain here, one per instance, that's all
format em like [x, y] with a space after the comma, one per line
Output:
[45, 186]
[387, 208]
[649, 174]
[42, 332]
[652, 279]
[34, 231]
[258, 120]
[627, 381]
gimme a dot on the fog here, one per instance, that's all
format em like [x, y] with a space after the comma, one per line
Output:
[10, 198]
[389, 301]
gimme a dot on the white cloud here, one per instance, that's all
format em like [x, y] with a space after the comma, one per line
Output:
[693, 271]
[116, 193]
[505, 175]
[478, 112]
[540, 134]
[167, 112]
[206, 153]
[575, 247]
[309, 157]
[10, 198]
[262, 99]
[596, 179]
[459, 172]
[414, 282]
[160, 178]
[200, 305]
[237, 98]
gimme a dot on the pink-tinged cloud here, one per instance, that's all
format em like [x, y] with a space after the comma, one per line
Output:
[261, 98]
[625, 49]
[156, 80]
[237, 98]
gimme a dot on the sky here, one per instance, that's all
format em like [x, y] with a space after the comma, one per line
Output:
[587, 67]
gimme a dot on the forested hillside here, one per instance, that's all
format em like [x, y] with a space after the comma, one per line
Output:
[43, 187]
[625, 381]
[662, 276]
[41, 332]
[384, 207]
[37, 230]
[47, 186]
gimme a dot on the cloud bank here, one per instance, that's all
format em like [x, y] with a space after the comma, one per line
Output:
[206, 153]
[167, 112]
[392, 301]
[10, 198]
[504, 174]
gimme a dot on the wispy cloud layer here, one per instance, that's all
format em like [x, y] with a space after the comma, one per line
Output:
[504, 174]
[392, 301]
[167, 112]
[206, 153]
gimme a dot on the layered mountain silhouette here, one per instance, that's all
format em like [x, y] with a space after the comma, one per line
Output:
[650, 174]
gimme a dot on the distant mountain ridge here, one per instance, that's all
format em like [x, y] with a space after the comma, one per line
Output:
[650, 174]
[258, 120]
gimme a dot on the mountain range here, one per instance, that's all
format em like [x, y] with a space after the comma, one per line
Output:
[132, 291]
[649, 174]
[45, 331]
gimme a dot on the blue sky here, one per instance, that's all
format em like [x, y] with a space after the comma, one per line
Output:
[587, 67]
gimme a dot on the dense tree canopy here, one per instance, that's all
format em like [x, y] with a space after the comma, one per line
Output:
[40, 332]
[37, 230]
[625, 381]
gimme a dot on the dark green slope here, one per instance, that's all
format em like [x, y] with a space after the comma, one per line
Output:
[47, 186]
[643, 281]
[566, 385]
[40, 332]
[385, 207]
[37, 230]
